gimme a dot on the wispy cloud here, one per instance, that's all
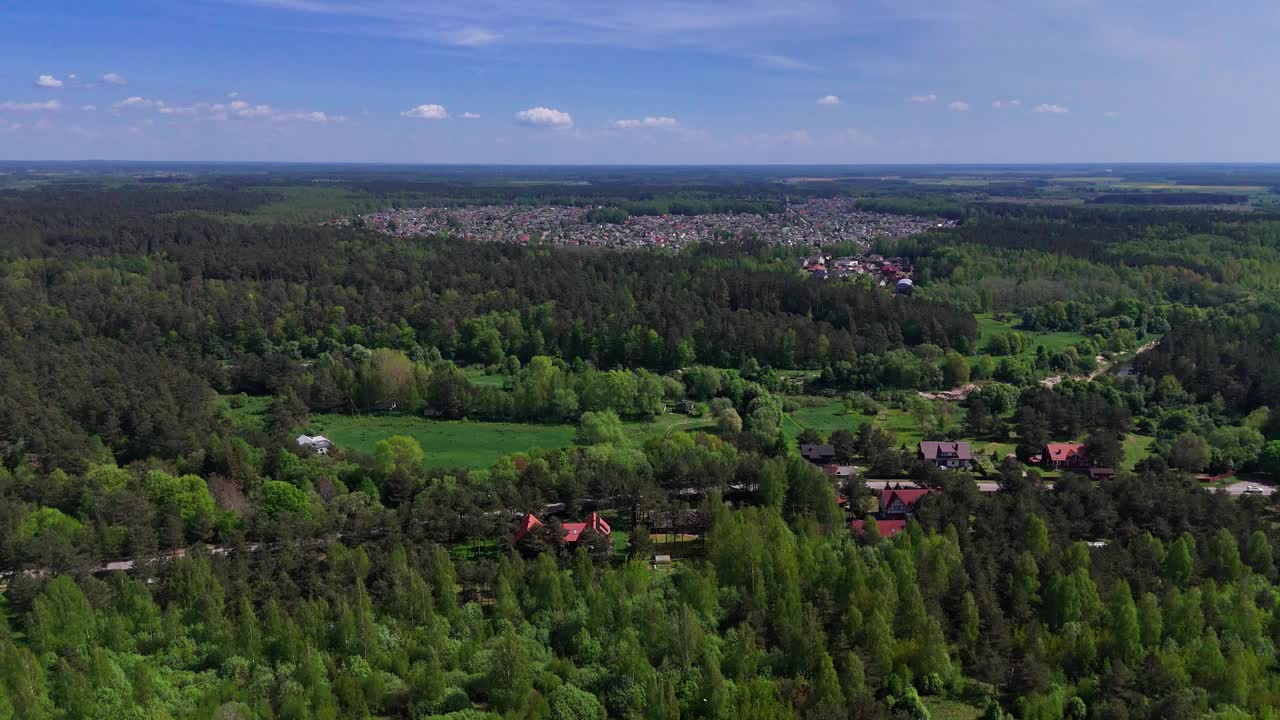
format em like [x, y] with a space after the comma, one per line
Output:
[30, 106]
[775, 139]
[647, 122]
[829, 100]
[48, 81]
[1005, 104]
[958, 106]
[236, 109]
[470, 116]
[114, 79]
[472, 37]
[426, 112]
[545, 117]
[924, 98]
[1050, 108]
[782, 62]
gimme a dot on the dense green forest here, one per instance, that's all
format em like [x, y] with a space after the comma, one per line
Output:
[162, 344]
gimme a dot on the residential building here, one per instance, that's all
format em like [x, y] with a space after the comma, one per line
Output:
[572, 531]
[318, 443]
[946, 454]
[900, 503]
[819, 454]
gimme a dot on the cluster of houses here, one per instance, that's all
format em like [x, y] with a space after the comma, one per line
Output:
[896, 504]
[888, 271]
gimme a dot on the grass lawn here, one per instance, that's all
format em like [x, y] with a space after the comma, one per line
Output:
[472, 444]
[251, 413]
[831, 416]
[989, 327]
[478, 376]
[940, 709]
[1136, 448]
[448, 443]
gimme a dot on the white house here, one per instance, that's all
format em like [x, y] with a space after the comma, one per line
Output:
[319, 443]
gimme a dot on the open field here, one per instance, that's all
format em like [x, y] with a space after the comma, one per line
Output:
[248, 412]
[478, 376]
[473, 444]
[832, 415]
[1136, 449]
[448, 443]
[989, 327]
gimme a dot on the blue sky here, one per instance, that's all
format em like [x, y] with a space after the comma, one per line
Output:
[618, 81]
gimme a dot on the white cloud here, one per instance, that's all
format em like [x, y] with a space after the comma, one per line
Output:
[829, 100]
[114, 79]
[88, 108]
[426, 112]
[470, 116]
[30, 106]
[138, 102]
[648, 122]
[782, 62]
[49, 81]
[545, 117]
[924, 98]
[958, 106]
[472, 37]
[238, 109]
[1002, 104]
[1049, 108]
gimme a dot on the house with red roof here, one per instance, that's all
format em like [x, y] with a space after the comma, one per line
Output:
[886, 528]
[572, 531]
[900, 503]
[1064, 456]
[1070, 457]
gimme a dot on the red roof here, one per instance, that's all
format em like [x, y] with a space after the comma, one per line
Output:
[908, 497]
[572, 531]
[886, 528]
[1060, 452]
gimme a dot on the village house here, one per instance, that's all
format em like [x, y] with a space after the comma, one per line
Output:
[1073, 457]
[572, 531]
[946, 454]
[318, 443]
[818, 454]
[885, 528]
[900, 503]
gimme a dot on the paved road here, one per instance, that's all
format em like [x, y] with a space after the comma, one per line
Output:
[1240, 487]
[986, 486]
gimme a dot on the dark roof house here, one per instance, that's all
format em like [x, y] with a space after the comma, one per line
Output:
[821, 454]
[946, 454]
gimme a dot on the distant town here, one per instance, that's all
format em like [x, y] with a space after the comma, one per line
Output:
[814, 223]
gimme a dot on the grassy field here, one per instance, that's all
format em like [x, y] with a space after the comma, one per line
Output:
[478, 376]
[832, 415]
[989, 327]
[1136, 448]
[251, 413]
[448, 443]
[472, 444]
[940, 709]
